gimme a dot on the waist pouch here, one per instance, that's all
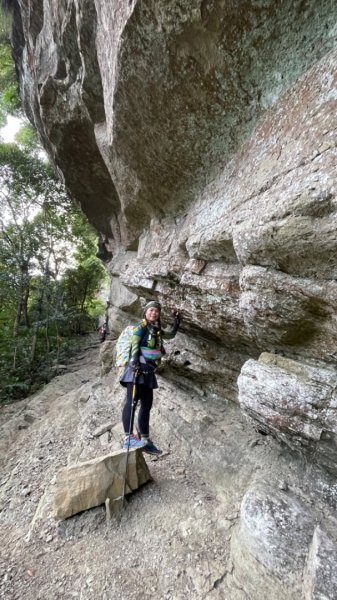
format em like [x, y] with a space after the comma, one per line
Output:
[150, 354]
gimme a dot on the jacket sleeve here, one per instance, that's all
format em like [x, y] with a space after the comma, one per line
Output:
[169, 334]
[138, 334]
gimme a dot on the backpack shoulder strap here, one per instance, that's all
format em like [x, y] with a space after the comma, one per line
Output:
[140, 328]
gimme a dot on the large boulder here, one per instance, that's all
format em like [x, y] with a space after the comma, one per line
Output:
[270, 544]
[294, 401]
[278, 548]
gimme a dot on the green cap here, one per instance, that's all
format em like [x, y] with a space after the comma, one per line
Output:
[152, 304]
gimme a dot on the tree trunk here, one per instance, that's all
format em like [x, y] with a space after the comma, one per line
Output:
[25, 306]
[84, 297]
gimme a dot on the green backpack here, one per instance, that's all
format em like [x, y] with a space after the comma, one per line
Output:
[123, 346]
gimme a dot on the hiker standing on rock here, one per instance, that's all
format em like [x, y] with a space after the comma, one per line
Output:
[146, 352]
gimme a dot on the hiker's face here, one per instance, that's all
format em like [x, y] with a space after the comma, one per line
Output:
[152, 314]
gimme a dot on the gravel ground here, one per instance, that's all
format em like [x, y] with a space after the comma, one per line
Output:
[171, 541]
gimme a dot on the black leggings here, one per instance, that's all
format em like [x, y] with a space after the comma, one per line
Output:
[145, 395]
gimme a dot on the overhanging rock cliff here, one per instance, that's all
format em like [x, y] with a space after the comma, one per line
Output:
[199, 138]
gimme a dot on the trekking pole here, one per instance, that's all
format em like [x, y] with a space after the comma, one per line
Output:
[116, 506]
[132, 417]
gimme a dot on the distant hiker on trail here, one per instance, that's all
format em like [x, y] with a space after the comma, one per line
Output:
[103, 331]
[145, 354]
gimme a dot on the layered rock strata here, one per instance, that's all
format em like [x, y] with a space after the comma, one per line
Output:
[295, 402]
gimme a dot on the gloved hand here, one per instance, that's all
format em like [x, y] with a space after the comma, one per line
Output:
[134, 363]
[177, 319]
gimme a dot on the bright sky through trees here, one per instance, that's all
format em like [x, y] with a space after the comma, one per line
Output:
[12, 127]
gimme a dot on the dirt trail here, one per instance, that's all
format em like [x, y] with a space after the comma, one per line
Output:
[172, 540]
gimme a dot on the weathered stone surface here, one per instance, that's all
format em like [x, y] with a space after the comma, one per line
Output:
[103, 429]
[295, 402]
[275, 204]
[320, 575]
[203, 366]
[104, 439]
[88, 484]
[290, 314]
[209, 301]
[84, 395]
[106, 356]
[186, 81]
[270, 545]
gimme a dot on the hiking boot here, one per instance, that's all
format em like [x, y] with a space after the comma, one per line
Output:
[133, 442]
[150, 448]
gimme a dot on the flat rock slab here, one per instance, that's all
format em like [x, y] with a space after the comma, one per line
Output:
[88, 484]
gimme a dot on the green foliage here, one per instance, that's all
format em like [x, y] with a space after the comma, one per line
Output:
[5, 24]
[10, 101]
[27, 139]
[45, 303]
[49, 274]
[26, 174]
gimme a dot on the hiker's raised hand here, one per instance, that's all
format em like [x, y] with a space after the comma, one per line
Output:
[134, 364]
[177, 315]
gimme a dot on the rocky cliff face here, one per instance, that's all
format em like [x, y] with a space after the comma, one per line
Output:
[199, 137]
